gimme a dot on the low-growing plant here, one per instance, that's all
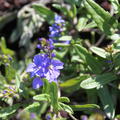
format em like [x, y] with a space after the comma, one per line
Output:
[71, 71]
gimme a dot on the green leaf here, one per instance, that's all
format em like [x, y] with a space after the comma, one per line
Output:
[98, 80]
[93, 63]
[83, 107]
[46, 13]
[115, 37]
[99, 51]
[65, 38]
[46, 86]
[116, 5]
[77, 2]
[17, 81]
[42, 97]
[64, 99]
[61, 8]
[81, 23]
[34, 107]
[54, 96]
[61, 45]
[103, 19]
[2, 80]
[73, 81]
[107, 101]
[73, 84]
[74, 10]
[10, 72]
[4, 48]
[65, 107]
[118, 116]
[61, 54]
[117, 59]
[8, 110]
[90, 25]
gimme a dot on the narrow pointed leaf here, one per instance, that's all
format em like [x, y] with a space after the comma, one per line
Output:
[64, 99]
[8, 110]
[46, 13]
[99, 51]
[34, 107]
[42, 97]
[65, 107]
[93, 63]
[83, 107]
[54, 96]
[103, 19]
[107, 101]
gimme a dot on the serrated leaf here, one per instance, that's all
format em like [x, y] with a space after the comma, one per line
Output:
[99, 51]
[93, 63]
[65, 107]
[64, 99]
[103, 19]
[42, 97]
[98, 80]
[83, 107]
[107, 101]
[8, 110]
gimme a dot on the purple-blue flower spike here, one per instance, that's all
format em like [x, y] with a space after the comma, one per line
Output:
[44, 65]
[57, 28]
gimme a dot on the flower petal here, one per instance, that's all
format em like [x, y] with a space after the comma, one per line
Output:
[37, 60]
[37, 83]
[30, 67]
[52, 75]
[57, 64]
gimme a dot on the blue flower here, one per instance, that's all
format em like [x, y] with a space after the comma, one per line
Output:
[37, 83]
[48, 117]
[58, 19]
[32, 116]
[45, 44]
[56, 29]
[38, 65]
[53, 70]
[44, 66]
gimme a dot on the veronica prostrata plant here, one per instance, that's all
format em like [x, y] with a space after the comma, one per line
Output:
[44, 65]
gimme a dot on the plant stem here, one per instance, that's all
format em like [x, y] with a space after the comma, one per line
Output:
[73, 117]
